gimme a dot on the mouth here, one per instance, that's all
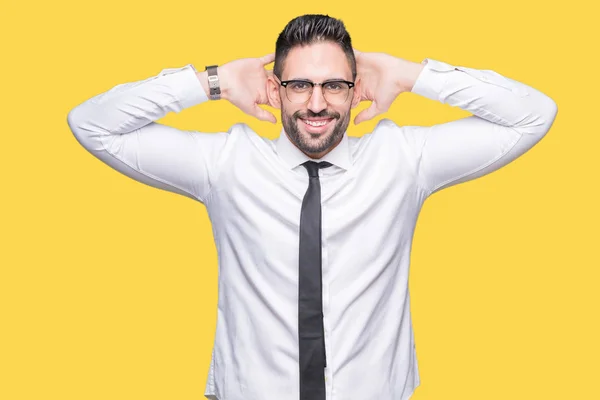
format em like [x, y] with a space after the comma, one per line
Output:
[317, 125]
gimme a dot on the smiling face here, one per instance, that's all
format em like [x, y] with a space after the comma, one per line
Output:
[317, 62]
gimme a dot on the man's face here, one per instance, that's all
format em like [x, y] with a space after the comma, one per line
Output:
[317, 63]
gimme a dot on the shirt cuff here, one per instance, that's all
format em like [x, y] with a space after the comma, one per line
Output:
[431, 80]
[185, 85]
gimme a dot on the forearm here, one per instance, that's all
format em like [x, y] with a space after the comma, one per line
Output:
[130, 106]
[488, 95]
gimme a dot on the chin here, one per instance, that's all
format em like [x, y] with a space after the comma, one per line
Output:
[316, 137]
[315, 145]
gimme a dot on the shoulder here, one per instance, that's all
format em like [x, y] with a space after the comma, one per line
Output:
[389, 137]
[241, 140]
[244, 132]
[406, 135]
[239, 134]
[388, 131]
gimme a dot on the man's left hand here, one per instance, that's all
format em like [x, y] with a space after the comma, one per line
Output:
[382, 78]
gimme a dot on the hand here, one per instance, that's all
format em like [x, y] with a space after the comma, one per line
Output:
[244, 84]
[382, 79]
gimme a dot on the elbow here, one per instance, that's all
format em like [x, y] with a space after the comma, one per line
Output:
[83, 131]
[548, 116]
[72, 120]
[75, 122]
[541, 122]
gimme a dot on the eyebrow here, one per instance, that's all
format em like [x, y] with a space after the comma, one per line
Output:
[327, 80]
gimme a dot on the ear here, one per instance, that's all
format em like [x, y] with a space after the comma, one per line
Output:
[357, 93]
[273, 92]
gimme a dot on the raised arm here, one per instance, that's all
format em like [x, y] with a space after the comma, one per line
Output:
[118, 126]
[508, 118]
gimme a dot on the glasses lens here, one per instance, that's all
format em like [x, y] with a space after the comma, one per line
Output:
[298, 92]
[334, 92]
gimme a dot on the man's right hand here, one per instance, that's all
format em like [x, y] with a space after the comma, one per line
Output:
[244, 83]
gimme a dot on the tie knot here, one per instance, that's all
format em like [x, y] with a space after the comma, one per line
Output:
[312, 167]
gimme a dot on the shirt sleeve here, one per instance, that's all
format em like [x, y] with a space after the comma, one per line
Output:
[118, 127]
[508, 119]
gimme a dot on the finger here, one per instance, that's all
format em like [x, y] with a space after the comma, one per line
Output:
[367, 114]
[263, 115]
[269, 58]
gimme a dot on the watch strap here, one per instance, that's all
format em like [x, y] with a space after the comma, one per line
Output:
[213, 82]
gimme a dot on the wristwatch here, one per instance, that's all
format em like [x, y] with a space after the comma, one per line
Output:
[213, 82]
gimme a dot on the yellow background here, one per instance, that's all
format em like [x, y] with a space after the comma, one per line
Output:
[108, 286]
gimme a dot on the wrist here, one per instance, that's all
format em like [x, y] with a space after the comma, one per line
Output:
[408, 73]
[203, 78]
[223, 80]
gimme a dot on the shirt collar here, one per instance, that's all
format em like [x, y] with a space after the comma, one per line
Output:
[292, 156]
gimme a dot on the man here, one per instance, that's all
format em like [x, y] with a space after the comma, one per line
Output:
[313, 230]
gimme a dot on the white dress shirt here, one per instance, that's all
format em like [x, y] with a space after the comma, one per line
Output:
[252, 188]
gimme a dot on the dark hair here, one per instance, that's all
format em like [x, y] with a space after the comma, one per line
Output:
[308, 29]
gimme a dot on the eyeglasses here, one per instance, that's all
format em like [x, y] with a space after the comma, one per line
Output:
[298, 91]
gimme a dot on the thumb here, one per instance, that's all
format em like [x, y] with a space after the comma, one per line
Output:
[367, 114]
[263, 114]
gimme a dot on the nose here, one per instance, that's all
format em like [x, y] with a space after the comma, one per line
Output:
[317, 102]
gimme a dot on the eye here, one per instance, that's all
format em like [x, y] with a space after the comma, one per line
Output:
[299, 86]
[335, 86]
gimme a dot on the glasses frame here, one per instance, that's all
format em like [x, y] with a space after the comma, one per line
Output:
[312, 88]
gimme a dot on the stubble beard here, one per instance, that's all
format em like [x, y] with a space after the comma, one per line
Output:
[314, 143]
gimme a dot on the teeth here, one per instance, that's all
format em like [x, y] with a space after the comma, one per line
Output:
[315, 123]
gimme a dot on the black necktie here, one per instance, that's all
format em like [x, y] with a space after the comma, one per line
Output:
[310, 302]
